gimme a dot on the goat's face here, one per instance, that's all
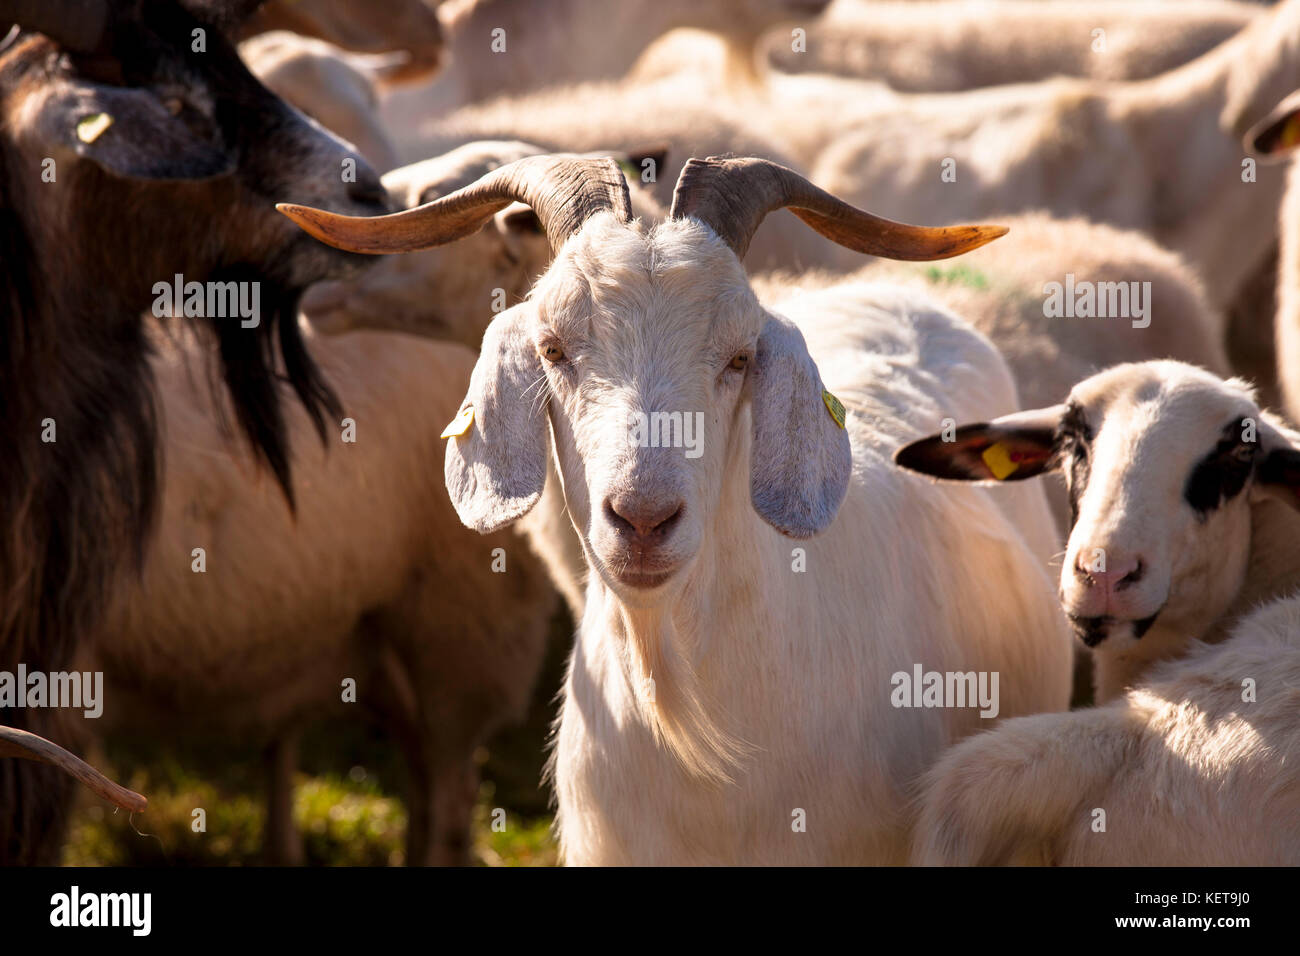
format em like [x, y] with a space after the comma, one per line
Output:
[164, 133]
[1161, 460]
[645, 351]
[645, 342]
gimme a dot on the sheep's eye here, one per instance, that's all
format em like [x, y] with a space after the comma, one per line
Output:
[174, 105]
[1245, 451]
[552, 352]
[739, 362]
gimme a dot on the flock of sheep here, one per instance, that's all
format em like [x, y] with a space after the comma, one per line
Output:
[603, 218]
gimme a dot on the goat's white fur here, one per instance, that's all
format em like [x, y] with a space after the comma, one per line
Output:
[772, 688]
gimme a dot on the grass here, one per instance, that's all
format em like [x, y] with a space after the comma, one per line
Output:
[347, 798]
[959, 274]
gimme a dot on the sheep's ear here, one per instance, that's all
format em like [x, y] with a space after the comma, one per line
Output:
[496, 446]
[799, 470]
[1009, 448]
[127, 132]
[1278, 134]
[1277, 472]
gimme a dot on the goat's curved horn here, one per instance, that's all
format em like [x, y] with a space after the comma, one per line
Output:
[564, 191]
[81, 26]
[732, 196]
[19, 743]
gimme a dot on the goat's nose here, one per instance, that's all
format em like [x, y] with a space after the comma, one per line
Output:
[641, 517]
[367, 188]
[1108, 570]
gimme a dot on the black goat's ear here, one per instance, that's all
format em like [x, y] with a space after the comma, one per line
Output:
[127, 132]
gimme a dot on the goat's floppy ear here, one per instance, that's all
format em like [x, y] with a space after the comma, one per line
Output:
[1277, 135]
[799, 468]
[127, 132]
[1277, 470]
[497, 445]
[1009, 448]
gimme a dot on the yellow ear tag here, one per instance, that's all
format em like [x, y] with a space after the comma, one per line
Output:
[834, 406]
[461, 424]
[999, 461]
[92, 127]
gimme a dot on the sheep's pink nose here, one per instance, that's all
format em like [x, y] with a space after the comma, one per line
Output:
[1108, 571]
[642, 517]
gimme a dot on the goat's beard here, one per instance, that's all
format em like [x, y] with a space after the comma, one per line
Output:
[670, 695]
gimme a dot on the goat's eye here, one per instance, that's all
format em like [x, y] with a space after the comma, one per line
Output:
[1245, 451]
[551, 352]
[174, 105]
[739, 362]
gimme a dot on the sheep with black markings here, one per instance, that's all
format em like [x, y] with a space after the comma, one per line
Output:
[1176, 527]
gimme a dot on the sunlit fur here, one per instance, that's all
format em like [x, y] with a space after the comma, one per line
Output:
[1188, 771]
[772, 688]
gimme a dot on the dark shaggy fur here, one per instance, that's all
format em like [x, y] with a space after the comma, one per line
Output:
[77, 512]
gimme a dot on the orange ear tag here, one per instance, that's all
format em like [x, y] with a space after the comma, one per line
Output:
[461, 424]
[1291, 132]
[999, 460]
[834, 406]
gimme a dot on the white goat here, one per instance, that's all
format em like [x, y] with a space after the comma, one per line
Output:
[1175, 526]
[1199, 766]
[1162, 155]
[720, 706]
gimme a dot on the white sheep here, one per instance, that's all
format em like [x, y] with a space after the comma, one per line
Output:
[720, 705]
[951, 45]
[1162, 155]
[329, 85]
[1275, 138]
[509, 47]
[1175, 523]
[371, 579]
[1197, 766]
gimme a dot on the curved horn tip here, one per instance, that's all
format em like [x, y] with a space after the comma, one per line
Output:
[327, 227]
